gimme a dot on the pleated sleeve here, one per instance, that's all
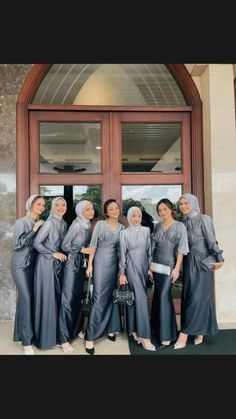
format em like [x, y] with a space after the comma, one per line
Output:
[21, 237]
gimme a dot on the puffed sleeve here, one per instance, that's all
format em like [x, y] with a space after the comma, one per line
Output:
[183, 247]
[21, 237]
[69, 245]
[209, 235]
[40, 239]
[122, 252]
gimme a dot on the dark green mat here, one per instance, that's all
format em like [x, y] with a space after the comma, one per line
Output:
[223, 343]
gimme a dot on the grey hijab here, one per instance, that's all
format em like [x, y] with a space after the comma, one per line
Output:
[129, 215]
[52, 211]
[79, 212]
[28, 203]
[192, 199]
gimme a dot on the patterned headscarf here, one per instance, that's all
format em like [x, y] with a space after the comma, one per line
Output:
[29, 201]
[129, 215]
[85, 222]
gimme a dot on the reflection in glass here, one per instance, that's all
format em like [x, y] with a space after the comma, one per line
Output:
[72, 195]
[109, 84]
[151, 147]
[147, 196]
[70, 147]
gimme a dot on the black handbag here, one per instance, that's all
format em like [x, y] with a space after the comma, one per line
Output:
[206, 262]
[87, 296]
[123, 295]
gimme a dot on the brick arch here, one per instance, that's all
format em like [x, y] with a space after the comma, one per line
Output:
[30, 87]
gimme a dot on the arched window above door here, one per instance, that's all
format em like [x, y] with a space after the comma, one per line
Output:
[109, 85]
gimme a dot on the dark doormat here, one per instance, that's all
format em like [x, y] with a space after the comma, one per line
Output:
[223, 343]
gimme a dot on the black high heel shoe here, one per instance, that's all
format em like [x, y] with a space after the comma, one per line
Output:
[112, 338]
[90, 351]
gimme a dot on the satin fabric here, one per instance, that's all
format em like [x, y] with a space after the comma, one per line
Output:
[198, 316]
[71, 316]
[47, 282]
[135, 260]
[104, 316]
[22, 270]
[163, 319]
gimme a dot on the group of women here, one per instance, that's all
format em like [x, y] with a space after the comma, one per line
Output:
[50, 264]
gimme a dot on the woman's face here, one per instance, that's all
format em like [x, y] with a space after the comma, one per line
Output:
[185, 206]
[60, 207]
[88, 211]
[136, 218]
[164, 211]
[113, 210]
[38, 207]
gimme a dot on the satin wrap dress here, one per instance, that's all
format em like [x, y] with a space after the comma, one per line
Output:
[135, 260]
[22, 269]
[198, 316]
[172, 241]
[104, 316]
[71, 310]
[47, 282]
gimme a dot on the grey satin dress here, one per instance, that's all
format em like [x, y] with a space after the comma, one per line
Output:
[71, 310]
[135, 260]
[173, 241]
[198, 316]
[104, 316]
[47, 282]
[22, 269]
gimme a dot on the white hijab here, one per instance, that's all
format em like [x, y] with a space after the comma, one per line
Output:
[129, 215]
[85, 222]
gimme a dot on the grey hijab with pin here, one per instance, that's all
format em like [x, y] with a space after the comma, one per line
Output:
[192, 199]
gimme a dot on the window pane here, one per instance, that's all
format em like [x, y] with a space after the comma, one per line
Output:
[109, 84]
[152, 147]
[70, 147]
[72, 195]
[146, 197]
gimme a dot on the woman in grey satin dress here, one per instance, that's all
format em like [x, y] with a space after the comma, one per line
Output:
[47, 275]
[75, 243]
[104, 317]
[22, 269]
[169, 244]
[135, 261]
[198, 316]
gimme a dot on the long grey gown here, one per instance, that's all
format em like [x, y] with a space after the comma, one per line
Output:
[47, 282]
[71, 309]
[104, 316]
[198, 316]
[135, 260]
[171, 242]
[22, 269]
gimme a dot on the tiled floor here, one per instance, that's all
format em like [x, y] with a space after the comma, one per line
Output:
[103, 346]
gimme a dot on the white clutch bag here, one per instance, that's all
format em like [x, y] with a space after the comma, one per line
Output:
[160, 269]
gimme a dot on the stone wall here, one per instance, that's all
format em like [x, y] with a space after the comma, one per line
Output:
[12, 77]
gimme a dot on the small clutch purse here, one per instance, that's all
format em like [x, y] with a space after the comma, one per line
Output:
[206, 262]
[123, 295]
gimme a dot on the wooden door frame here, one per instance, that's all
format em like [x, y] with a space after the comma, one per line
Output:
[23, 108]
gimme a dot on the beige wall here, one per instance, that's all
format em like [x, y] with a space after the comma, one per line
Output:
[215, 84]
